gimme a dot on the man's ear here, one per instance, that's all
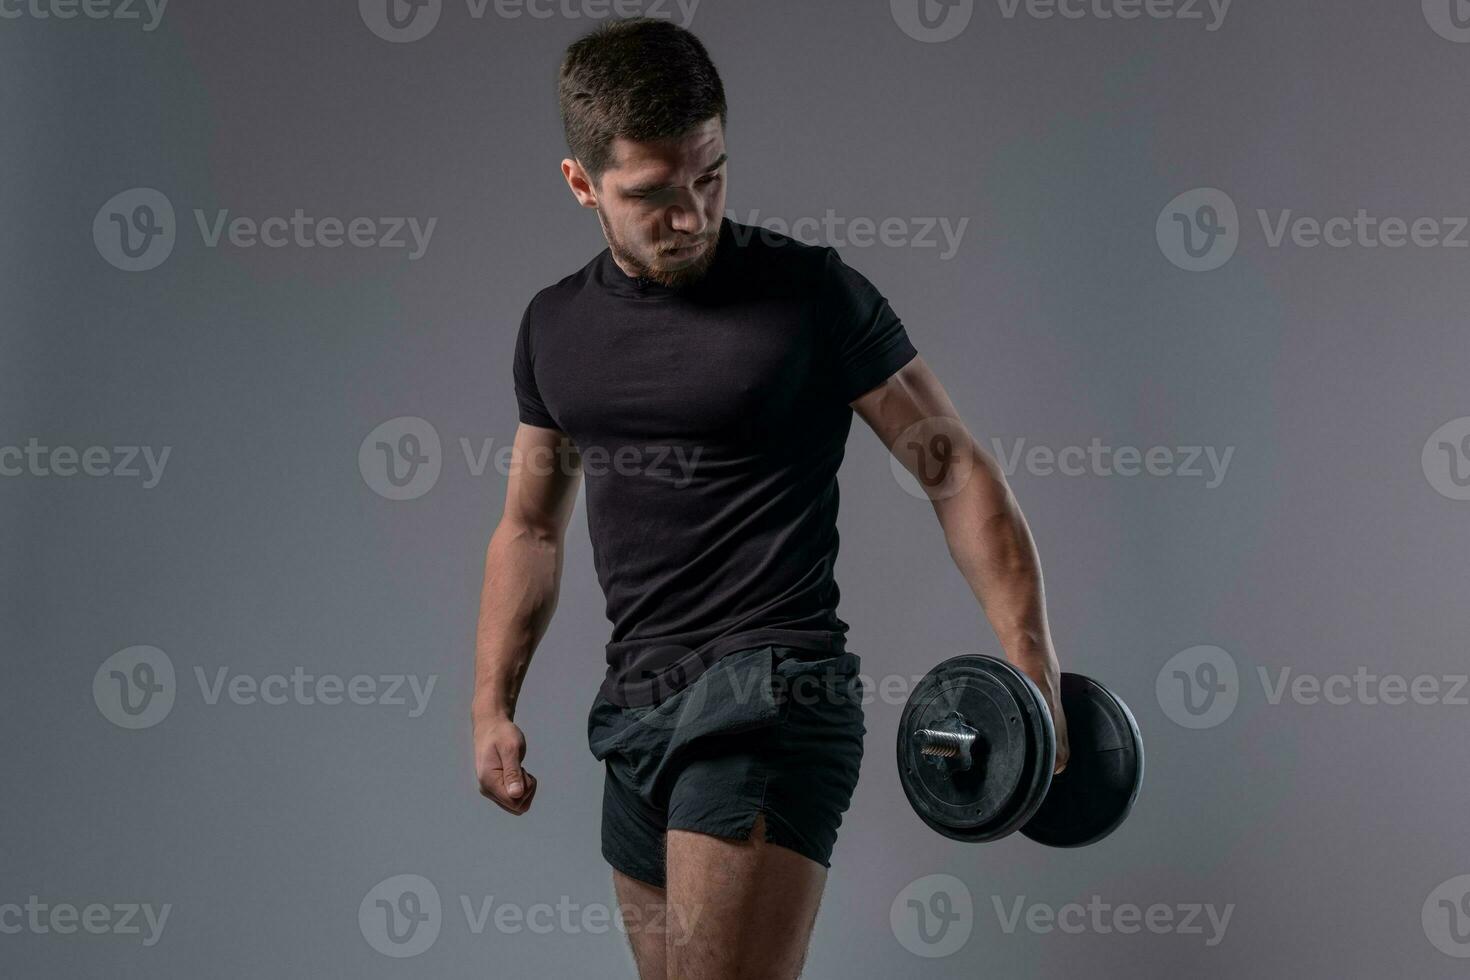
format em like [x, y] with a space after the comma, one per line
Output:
[580, 183]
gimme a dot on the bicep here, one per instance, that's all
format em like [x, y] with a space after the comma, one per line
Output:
[913, 417]
[908, 397]
[545, 473]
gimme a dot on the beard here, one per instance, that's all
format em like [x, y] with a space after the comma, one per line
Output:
[670, 272]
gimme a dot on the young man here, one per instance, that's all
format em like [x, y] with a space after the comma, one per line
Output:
[702, 376]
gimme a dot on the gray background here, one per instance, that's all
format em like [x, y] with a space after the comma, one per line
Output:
[1060, 319]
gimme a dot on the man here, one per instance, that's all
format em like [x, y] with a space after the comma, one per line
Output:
[702, 375]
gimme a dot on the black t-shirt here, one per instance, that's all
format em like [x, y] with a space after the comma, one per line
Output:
[711, 422]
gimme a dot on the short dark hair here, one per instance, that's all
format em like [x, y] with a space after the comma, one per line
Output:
[640, 78]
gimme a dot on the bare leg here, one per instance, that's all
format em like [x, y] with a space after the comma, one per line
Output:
[739, 908]
[643, 911]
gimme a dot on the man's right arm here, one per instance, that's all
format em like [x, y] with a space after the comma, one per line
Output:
[522, 578]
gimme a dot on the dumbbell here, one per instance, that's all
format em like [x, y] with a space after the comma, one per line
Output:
[976, 750]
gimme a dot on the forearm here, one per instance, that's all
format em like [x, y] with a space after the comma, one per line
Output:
[992, 546]
[522, 576]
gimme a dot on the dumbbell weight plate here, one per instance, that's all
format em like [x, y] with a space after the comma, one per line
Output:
[1013, 752]
[1091, 797]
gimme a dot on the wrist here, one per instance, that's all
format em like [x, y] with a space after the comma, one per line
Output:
[1029, 650]
[490, 710]
[1039, 662]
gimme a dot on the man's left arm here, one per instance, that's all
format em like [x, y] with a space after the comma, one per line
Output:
[983, 525]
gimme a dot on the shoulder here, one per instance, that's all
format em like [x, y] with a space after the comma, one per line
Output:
[547, 303]
[776, 256]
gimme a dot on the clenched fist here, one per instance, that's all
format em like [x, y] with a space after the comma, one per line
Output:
[499, 748]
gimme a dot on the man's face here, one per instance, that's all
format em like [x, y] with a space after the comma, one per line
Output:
[660, 204]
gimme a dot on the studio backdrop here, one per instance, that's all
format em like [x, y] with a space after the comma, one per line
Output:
[1193, 271]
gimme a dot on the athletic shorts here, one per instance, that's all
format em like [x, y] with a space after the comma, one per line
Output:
[765, 730]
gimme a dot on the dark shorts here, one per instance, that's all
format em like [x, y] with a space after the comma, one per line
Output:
[765, 730]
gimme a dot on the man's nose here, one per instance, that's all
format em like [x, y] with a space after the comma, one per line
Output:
[685, 213]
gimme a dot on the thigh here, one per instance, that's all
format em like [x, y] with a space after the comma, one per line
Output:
[644, 914]
[739, 908]
[752, 823]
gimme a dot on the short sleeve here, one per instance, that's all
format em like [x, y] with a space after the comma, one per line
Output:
[867, 340]
[528, 395]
